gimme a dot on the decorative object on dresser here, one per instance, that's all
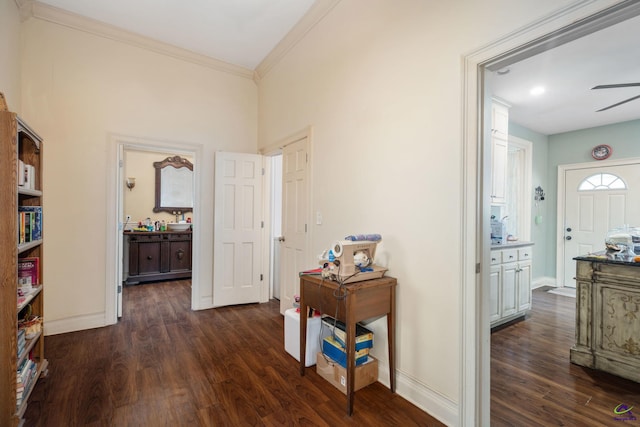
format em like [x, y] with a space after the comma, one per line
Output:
[174, 185]
[22, 360]
[153, 256]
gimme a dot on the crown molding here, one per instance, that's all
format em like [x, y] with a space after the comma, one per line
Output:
[315, 14]
[31, 8]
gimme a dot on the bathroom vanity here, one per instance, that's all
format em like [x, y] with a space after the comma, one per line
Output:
[154, 256]
[608, 314]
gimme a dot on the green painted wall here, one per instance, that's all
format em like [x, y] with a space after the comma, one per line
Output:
[567, 148]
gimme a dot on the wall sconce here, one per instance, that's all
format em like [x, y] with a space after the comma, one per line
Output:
[539, 197]
[131, 182]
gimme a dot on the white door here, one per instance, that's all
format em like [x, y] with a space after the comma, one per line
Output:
[295, 201]
[597, 199]
[237, 229]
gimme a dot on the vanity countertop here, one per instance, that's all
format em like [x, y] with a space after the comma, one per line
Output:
[510, 245]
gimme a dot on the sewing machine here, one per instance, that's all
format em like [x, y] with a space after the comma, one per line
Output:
[354, 261]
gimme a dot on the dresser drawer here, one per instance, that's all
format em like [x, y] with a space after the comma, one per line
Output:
[509, 255]
[496, 257]
[524, 254]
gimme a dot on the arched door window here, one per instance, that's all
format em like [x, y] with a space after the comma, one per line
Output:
[602, 181]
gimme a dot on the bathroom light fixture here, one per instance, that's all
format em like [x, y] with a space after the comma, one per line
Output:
[131, 182]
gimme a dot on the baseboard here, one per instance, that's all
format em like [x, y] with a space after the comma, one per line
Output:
[543, 281]
[73, 324]
[430, 401]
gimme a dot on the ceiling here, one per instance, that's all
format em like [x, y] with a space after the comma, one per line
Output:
[240, 32]
[243, 32]
[568, 72]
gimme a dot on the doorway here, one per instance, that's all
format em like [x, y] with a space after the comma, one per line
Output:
[116, 216]
[539, 36]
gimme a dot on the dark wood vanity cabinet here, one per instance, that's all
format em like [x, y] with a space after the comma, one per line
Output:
[153, 256]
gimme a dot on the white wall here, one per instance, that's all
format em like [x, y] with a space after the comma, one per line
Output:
[80, 90]
[10, 53]
[381, 83]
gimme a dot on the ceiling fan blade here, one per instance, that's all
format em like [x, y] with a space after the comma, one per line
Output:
[618, 103]
[617, 85]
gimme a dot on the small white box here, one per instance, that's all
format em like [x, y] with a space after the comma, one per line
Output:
[292, 336]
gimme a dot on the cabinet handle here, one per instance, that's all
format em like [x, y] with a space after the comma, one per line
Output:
[180, 254]
[493, 259]
[149, 257]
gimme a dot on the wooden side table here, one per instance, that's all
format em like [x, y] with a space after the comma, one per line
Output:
[355, 302]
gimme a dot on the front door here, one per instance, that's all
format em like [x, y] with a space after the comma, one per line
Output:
[295, 201]
[597, 199]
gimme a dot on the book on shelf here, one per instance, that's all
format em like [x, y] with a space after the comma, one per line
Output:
[20, 173]
[26, 175]
[28, 273]
[29, 223]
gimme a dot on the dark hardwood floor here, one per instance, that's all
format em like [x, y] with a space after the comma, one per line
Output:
[165, 365]
[534, 384]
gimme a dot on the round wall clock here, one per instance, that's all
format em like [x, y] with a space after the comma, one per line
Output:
[601, 152]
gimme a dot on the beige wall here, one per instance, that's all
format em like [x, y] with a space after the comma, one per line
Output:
[10, 53]
[79, 90]
[139, 202]
[381, 84]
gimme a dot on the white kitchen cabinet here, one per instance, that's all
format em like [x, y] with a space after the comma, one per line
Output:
[494, 292]
[499, 151]
[510, 283]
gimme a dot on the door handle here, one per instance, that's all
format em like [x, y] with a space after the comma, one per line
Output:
[568, 238]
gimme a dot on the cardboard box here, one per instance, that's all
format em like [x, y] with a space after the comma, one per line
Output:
[333, 349]
[365, 374]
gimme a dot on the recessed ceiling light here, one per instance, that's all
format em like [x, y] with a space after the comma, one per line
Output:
[537, 91]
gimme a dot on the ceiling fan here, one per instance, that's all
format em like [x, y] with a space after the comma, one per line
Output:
[613, 86]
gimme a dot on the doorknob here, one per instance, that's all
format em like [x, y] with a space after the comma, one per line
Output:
[568, 237]
[281, 239]
[569, 229]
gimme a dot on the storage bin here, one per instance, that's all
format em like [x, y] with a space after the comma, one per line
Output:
[292, 336]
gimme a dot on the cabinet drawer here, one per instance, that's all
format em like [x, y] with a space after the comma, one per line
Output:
[524, 254]
[151, 237]
[496, 257]
[510, 255]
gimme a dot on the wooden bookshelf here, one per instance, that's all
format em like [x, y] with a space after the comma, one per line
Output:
[18, 142]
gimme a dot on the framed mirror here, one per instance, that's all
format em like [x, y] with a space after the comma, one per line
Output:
[174, 185]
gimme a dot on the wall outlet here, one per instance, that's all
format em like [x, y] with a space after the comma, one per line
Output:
[343, 381]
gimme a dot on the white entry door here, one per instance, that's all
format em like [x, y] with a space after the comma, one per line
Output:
[295, 213]
[597, 199]
[237, 229]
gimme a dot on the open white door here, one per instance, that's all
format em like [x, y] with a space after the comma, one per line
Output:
[295, 213]
[597, 199]
[237, 229]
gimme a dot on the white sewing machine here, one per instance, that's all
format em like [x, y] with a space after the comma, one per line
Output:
[355, 261]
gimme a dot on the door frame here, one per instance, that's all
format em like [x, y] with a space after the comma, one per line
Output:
[117, 145]
[560, 204]
[565, 24]
[272, 150]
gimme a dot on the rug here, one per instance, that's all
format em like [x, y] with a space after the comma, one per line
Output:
[567, 292]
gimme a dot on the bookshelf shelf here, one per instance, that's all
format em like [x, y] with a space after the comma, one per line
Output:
[21, 196]
[23, 247]
[29, 192]
[28, 298]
